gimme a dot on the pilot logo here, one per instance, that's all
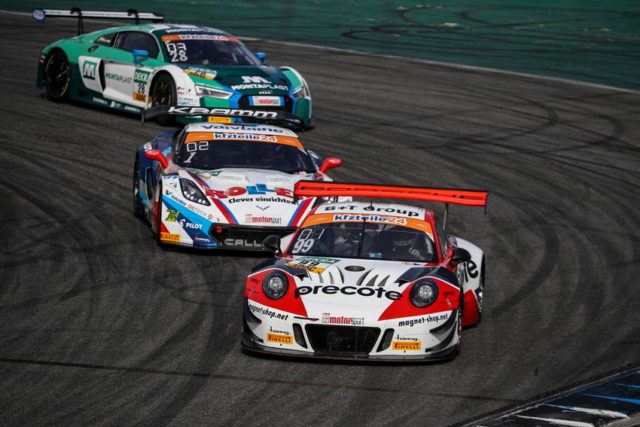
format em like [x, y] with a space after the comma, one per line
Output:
[254, 79]
[89, 70]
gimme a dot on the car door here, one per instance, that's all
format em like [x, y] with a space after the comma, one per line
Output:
[126, 81]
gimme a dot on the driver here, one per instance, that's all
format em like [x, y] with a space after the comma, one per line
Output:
[405, 246]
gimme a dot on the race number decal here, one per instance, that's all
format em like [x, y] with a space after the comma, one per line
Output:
[194, 147]
[177, 52]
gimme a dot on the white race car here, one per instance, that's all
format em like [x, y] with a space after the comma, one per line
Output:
[224, 186]
[370, 281]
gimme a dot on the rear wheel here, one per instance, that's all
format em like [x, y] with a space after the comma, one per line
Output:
[57, 76]
[163, 92]
[138, 208]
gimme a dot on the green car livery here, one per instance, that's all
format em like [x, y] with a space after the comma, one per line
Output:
[132, 68]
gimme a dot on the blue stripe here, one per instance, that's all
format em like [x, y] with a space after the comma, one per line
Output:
[618, 399]
[228, 211]
[295, 212]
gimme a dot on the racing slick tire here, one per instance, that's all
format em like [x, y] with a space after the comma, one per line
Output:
[163, 92]
[57, 76]
[138, 208]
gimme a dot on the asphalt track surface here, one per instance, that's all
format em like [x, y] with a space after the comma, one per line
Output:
[100, 326]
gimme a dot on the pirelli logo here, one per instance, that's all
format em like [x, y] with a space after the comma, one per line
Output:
[169, 237]
[406, 345]
[279, 338]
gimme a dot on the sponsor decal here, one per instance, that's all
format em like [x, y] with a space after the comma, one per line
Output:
[467, 271]
[190, 225]
[370, 218]
[174, 197]
[269, 101]
[312, 264]
[172, 215]
[279, 338]
[141, 76]
[348, 290]
[203, 73]
[115, 104]
[137, 96]
[381, 209]
[214, 37]
[117, 77]
[99, 100]
[89, 70]
[431, 318]
[257, 189]
[247, 86]
[169, 237]
[243, 243]
[244, 137]
[203, 111]
[257, 129]
[254, 79]
[216, 119]
[404, 345]
[197, 210]
[259, 219]
[132, 109]
[264, 311]
[342, 320]
[202, 239]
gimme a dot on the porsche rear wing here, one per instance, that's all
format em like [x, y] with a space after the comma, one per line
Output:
[40, 15]
[477, 198]
[240, 115]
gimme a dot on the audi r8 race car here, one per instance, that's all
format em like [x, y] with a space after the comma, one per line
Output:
[224, 186]
[132, 68]
[367, 281]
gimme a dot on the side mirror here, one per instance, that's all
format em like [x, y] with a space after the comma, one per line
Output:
[460, 255]
[157, 155]
[330, 163]
[261, 57]
[272, 242]
[139, 55]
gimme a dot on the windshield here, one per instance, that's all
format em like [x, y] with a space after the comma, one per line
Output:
[207, 49]
[365, 240]
[211, 155]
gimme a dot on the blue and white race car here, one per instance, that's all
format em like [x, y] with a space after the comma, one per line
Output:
[224, 186]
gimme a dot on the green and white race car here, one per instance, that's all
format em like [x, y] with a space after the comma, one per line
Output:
[132, 68]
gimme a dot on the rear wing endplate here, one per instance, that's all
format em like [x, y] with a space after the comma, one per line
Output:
[240, 115]
[40, 15]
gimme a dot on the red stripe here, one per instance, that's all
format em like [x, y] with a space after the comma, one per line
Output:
[301, 211]
[224, 211]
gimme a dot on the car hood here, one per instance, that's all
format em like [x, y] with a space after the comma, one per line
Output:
[350, 287]
[253, 197]
[246, 80]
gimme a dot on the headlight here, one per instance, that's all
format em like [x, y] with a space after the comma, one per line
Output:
[301, 92]
[275, 285]
[213, 93]
[424, 293]
[191, 192]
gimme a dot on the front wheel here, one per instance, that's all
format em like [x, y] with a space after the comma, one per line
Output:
[57, 76]
[163, 92]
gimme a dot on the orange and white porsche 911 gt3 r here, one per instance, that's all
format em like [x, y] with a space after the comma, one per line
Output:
[370, 281]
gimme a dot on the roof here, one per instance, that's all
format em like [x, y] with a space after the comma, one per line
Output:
[161, 29]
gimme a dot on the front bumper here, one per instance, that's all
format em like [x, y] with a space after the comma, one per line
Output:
[290, 336]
